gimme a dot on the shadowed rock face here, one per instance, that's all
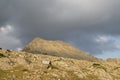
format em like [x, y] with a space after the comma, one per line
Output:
[57, 48]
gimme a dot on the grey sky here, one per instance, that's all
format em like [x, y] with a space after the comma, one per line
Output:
[91, 25]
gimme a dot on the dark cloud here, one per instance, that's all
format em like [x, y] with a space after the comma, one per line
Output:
[78, 21]
[94, 43]
[8, 38]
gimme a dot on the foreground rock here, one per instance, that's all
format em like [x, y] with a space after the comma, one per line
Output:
[27, 66]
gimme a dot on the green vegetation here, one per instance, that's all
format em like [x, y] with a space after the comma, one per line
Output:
[2, 55]
[53, 67]
[16, 72]
[25, 70]
[116, 68]
[96, 65]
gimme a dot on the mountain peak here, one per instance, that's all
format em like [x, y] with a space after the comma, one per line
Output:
[56, 48]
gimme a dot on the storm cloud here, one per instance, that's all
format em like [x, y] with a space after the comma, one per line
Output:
[91, 25]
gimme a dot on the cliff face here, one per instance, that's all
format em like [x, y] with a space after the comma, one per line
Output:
[57, 48]
[27, 66]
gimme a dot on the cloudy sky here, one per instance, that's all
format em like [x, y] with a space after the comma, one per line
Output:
[91, 25]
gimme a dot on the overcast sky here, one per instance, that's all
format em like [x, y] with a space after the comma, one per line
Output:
[91, 25]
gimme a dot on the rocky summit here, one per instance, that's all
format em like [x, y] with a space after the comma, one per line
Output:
[22, 65]
[57, 48]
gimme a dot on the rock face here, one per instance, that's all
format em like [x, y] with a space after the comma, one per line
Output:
[57, 48]
[27, 66]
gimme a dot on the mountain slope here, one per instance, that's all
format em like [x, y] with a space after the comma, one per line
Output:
[57, 48]
[27, 66]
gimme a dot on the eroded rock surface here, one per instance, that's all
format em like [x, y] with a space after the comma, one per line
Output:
[27, 66]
